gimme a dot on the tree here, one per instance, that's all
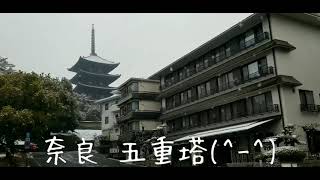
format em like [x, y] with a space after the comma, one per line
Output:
[35, 103]
[287, 151]
[88, 110]
[5, 67]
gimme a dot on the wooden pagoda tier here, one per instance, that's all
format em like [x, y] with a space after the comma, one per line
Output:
[93, 64]
[96, 79]
[94, 92]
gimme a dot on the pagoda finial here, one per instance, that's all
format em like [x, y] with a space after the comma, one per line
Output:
[93, 53]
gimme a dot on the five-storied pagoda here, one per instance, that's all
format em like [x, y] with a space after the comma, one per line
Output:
[93, 78]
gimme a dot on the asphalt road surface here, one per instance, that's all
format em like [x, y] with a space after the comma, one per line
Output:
[38, 159]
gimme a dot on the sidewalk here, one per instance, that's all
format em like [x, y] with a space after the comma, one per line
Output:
[18, 159]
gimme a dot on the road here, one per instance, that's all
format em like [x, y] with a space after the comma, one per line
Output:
[38, 159]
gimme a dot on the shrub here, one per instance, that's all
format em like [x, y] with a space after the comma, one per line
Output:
[284, 154]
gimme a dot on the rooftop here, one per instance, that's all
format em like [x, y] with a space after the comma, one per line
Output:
[138, 79]
[108, 99]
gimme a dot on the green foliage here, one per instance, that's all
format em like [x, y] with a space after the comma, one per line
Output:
[5, 67]
[89, 111]
[288, 152]
[284, 154]
[35, 103]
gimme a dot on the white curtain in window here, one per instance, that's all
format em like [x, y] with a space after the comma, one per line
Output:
[253, 70]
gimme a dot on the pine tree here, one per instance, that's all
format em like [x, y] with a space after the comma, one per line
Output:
[5, 67]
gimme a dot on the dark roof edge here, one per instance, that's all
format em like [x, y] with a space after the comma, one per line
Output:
[198, 48]
[137, 79]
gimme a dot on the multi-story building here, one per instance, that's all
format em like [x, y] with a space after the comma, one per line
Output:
[109, 114]
[109, 126]
[247, 83]
[139, 109]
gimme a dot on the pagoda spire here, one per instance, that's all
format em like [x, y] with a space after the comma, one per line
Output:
[93, 53]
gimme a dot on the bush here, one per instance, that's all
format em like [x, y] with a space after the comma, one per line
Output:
[284, 154]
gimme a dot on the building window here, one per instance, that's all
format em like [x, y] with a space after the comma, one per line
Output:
[194, 120]
[169, 103]
[184, 97]
[106, 106]
[194, 94]
[217, 56]
[223, 82]
[182, 74]
[133, 87]
[253, 70]
[203, 118]
[237, 76]
[199, 65]
[177, 100]
[206, 63]
[313, 139]
[106, 120]
[249, 38]
[208, 88]
[135, 105]
[163, 103]
[201, 90]
[186, 122]
[307, 101]
[260, 104]
[228, 50]
[135, 126]
[213, 86]
[306, 97]
[189, 95]
[238, 109]
[179, 124]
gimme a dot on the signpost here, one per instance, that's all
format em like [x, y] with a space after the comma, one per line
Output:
[27, 143]
[114, 150]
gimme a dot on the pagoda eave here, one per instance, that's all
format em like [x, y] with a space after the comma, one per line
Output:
[83, 63]
[97, 74]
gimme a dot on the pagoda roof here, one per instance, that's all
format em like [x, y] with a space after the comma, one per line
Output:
[96, 87]
[97, 79]
[92, 59]
[93, 91]
[98, 74]
[98, 59]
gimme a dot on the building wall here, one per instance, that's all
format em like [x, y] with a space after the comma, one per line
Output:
[302, 63]
[148, 124]
[149, 86]
[147, 105]
[108, 113]
[112, 134]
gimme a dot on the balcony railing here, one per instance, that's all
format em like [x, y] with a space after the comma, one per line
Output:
[264, 71]
[257, 110]
[243, 45]
[309, 108]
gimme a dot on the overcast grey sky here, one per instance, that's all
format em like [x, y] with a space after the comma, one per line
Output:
[142, 43]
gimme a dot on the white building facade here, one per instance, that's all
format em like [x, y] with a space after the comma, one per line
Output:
[109, 113]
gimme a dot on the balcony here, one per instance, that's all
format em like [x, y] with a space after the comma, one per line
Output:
[144, 95]
[239, 117]
[309, 108]
[264, 71]
[139, 114]
[235, 50]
